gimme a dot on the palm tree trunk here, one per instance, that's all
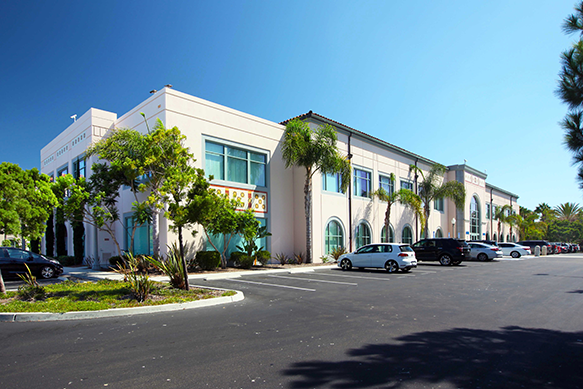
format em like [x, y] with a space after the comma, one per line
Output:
[387, 220]
[2, 286]
[184, 269]
[308, 209]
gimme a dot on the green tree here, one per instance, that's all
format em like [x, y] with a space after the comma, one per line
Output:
[568, 211]
[403, 196]
[570, 89]
[313, 150]
[146, 161]
[433, 187]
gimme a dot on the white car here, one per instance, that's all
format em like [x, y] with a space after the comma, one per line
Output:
[390, 256]
[484, 252]
[514, 250]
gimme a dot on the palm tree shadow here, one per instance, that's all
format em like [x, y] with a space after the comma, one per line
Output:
[512, 357]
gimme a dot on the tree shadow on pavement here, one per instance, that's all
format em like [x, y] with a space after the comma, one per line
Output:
[512, 357]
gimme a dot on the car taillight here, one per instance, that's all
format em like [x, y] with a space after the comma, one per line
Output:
[403, 255]
[494, 249]
[461, 249]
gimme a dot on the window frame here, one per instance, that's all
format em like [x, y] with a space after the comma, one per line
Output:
[391, 183]
[250, 162]
[408, 182]
[369, 179]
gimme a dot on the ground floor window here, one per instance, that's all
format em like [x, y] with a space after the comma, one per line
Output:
[219, 241]
[438, 233]
[143, 242]
[363, 235]
[333, 236]
[391, 237]
[407, 235]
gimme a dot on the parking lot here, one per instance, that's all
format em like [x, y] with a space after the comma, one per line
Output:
[507, 323]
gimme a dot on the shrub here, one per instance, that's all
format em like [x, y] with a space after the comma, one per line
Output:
[208, 260]
[139, 284]
[6, 243]
[116, 261]
[263, 257]
[172, 267]
[282, 258]
[245, 261]
[299, 258]
[337, 252]
[236, 257]
[66, 260]
[31, 290]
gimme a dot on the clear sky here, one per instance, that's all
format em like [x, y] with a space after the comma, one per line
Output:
[449, 80]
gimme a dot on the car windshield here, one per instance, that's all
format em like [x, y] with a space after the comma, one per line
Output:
[405, 248]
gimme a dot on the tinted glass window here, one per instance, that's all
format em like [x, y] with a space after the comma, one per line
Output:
[17, 254]
[405, 248]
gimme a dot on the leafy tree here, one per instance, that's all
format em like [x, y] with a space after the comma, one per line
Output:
[92, 201]
[179, 185]
[146, 162]
[313, 150]
[568, 211]
[565, 231]
[433, 187]
[403, 196]
[50, 236]
[570, 89]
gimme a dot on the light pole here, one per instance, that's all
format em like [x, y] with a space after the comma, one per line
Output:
[453, 227]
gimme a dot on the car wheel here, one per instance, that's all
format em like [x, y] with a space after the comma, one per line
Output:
[515, 254]
[456, 263]
[445, 260]
[391, 266]
[47, 272]
[482, 257]
[346, 264]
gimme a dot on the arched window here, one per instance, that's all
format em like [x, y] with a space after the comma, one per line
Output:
[501, 237]
[439, 233]
[407, 235]
[384, 235]
[475, 224]
[363, 235]
[333, 236]
[487, 236]
[514, 238]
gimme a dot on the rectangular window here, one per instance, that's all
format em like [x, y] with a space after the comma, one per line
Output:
[79, 167]
[406, 184]
[63, 171]
[438, 205]
[387, 184]
[488, 211]
[235, 164]
[331, 182]
[362, 184]
[143, 237]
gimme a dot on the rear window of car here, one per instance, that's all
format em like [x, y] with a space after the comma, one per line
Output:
[405, 248]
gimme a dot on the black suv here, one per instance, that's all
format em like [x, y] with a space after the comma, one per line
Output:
[533, 243]
[447, 251]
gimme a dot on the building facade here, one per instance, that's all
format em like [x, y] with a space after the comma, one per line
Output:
[243, 153]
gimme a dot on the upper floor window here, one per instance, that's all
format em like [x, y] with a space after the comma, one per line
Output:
[438, 204]
[63, 171]
[488, 211]
[331, 182]
[387, 184]
[234, 164]
[362, 183]
[406, 184]
[79, 167]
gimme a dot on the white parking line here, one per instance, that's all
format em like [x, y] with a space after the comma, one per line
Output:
[346, 275]
[314, 280]
[274, 285]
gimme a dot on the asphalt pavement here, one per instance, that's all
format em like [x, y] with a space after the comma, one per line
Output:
[500, 324]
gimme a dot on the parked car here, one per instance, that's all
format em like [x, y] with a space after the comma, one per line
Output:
[533, 243]
[447, 251]
[484, 252]
[490, 242]
[555, 248]
[12, 261]
[514, 250]
[391, 256]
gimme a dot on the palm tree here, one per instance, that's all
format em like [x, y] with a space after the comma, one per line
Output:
[434, 188]
[314, 150]
[502, 213]
[568, 211]
[403, 196]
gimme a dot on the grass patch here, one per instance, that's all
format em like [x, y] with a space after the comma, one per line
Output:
[71, 296]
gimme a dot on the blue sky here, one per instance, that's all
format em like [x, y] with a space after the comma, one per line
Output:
[449, 80]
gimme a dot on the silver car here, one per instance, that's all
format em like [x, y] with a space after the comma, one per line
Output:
[484, 252]
[390, 256]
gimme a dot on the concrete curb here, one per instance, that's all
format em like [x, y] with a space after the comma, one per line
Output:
[48, 316]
